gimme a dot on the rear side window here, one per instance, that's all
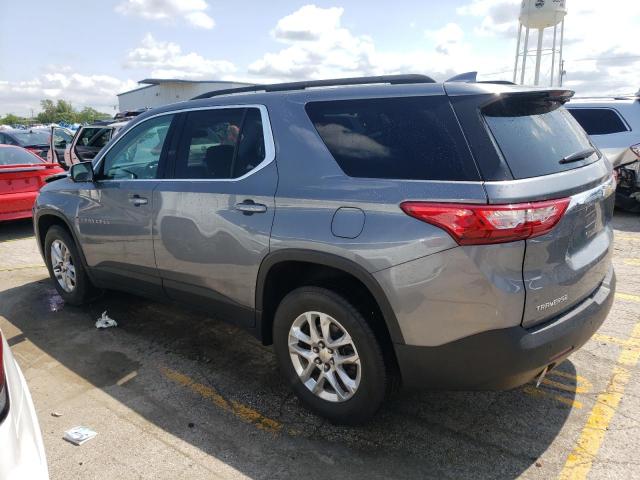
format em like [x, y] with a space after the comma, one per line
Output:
[599, 121]
[535, 135]
[414, 138]
[220, 143]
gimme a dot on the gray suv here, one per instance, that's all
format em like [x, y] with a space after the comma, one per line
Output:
[378, 232]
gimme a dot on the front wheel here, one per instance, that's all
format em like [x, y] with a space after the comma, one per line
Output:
[65, 267]
[329, 355]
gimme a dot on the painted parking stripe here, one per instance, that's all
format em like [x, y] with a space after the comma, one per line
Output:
[580, 460]
[628, 297]
[627, 238]
[243, 412]
[632, 261]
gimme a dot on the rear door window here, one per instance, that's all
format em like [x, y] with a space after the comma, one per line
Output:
[599, 121]
[534, 136]
[220, 143]
[414, 138]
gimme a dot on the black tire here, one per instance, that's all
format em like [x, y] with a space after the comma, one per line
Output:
[84, 291]
[374, 380]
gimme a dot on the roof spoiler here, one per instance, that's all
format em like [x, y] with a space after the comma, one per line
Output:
[472, 77]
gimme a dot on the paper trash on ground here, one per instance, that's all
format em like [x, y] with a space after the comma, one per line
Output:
[79, 435]
[105, 321]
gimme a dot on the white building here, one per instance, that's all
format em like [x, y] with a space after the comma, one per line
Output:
[156, 92]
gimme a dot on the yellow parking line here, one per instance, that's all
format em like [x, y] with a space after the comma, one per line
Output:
[628, 238]
[632, 261]
[540, 393]
[581, 459]
[243, 412]
[628, 297]
[562, 386]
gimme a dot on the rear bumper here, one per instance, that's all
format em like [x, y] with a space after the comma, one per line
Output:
[14, 206]
[506, 358]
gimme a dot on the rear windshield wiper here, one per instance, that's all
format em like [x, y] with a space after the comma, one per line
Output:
[580, 155]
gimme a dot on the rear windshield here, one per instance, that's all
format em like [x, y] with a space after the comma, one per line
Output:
[535, 136]
[17, 156]
[599, 121]
[31, 138]
[414, 138]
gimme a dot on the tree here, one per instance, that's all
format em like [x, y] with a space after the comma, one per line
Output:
[88, 115]
[11, 119]
[63, 111]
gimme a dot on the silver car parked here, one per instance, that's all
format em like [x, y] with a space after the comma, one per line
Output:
[378, 231]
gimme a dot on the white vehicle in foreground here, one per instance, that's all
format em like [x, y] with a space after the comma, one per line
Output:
[22, 453]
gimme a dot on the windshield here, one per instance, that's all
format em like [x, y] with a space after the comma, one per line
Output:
[31, 138]
[17, 156]
[534, 137]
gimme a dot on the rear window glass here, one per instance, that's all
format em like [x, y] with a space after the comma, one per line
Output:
[31, 138]
[415, 138]
[535, 137]
[17, 156]
[598, 121]
[94, 137]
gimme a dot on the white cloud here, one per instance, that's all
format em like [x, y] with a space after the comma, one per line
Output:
[62, 82]
[448, 39]
[318, 46]
[308, 23]
[193, 11]
[166, 60]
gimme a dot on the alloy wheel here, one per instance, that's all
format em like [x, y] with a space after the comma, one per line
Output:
[62, 266]
[324, 356]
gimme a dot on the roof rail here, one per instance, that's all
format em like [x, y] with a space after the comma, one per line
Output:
[283, 87]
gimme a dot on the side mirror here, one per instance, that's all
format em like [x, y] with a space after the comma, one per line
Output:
[82, 172]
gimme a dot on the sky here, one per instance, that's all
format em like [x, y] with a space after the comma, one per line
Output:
[88, 51]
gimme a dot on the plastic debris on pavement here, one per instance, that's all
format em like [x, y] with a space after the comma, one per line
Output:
[105, 321]
[79, 435]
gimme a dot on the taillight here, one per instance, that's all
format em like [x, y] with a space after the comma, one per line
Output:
[472, 224]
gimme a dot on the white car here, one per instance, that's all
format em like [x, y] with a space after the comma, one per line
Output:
[22, 453]
[613, 123]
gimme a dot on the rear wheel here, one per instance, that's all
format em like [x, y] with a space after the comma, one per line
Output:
[65, 268]
[329, 355]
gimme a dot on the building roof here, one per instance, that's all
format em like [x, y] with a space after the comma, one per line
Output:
[150, 82]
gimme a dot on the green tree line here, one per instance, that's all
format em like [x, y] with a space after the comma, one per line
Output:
[56, 112]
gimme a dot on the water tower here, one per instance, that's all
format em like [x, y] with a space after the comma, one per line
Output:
[540, 14]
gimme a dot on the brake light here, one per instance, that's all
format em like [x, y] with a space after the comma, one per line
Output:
[471, 224]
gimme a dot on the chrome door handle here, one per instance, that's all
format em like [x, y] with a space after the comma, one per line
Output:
[137, 200]
[248, 207]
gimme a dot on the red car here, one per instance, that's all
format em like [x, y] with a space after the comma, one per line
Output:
[22, 173]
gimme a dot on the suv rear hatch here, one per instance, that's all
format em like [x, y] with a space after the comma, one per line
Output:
[529, 149]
